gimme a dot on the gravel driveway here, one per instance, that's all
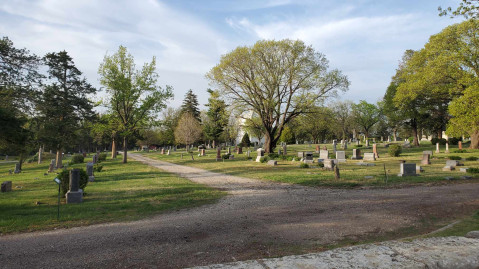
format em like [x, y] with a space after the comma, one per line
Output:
[258, 219]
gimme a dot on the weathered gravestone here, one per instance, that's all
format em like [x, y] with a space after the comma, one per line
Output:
[218, 154]
[329, 164]
[427, 152]
[272, 162]
[284, 149]
[260, 154]
[336, 173]
[40, 155]
[248, 153]
[317, 148]
[240, 150]
[17, 168]
[89, 171]
[419, 169]
[228, 150]
[168, 152]
[369, 157]
[345, 145]
[308, 156]
[437, 148]
[162, 150]
[407, 169]
[334, 146]
[75, 194]
[425, 159]
[300, 154]
[341, 156]
[6, 186]
[324, 154]
[447, 148]
[356, 154]
[453, 163]
[95, 159]
[459, 144]
[375, 150]
[203, 152]
[279, 152]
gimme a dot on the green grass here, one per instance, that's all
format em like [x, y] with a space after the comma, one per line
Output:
[465, 225]
[121, 192]
[352, 175]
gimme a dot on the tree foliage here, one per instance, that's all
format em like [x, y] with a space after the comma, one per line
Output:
[365, 115]
[467, 8]
[217, 116]
[188, 130]
[190, 105]
[278, 80]
[134, 96]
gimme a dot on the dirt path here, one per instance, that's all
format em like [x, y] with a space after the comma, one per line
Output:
[258, 219]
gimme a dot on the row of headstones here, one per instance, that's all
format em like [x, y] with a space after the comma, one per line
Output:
[450, 164]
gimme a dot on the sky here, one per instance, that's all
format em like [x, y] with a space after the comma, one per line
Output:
[364, 39]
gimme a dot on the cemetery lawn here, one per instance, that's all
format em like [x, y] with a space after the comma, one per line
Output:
[352, 175]
[121, 192]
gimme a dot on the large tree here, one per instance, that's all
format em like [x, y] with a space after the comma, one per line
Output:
[216, 116]
[365, 115]
[190, 105]
[64, 103]
[278, 80]
[188, 130]
[467, 8]
[134, 95]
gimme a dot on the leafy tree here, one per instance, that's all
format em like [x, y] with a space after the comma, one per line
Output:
[217, 116]
[287, 136]
[105, 130]
[190, 105]
[168, 124]
[465, 115]
[342, 111]
[315, 126]
[254, 126]
[467, 8]
[278, 80]
[188, 130]
[365, 115]
[64, 103]
[231, 130]
[135, 96]
[245, 142]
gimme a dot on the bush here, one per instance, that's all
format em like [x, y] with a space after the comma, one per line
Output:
[460, 151]
[410, 139]
[245, 141]
[395, 150]
[97, 168]
[102, 157]
[472, 158]
[321, 165]
[473, 170]
[296, 159]
[457, 158]
[264, 159]
[249, 158]
[454, 140]
[304, 165]
[226, 156]
[273, 155]
[77, 158]
[64, 177]
[441, 141]
[358, 146]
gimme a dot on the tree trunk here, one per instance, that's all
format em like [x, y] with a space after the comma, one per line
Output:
[439, 133]
[414, 133]
[113, 149]
[394, 135]
[40, 155]
[475, 140]
[125, 149]
[59, 158]
[20, 161]
[267, 143]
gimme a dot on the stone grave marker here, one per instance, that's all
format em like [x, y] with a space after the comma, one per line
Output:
[447, 148]
[419, 169]
[407, 169]
[75, 194]
[248, 153]
[284, 149]
[272, 162]
[459, 144]
[162, 150]
[218, 154]
[463, 169]
[437, 148]
[346, 145]
[168, 152]
[317, 148]
[336, 173]
[453, 163]
[369, 157]
[329, 164]
[231, 157]
[300, 154]
[448, 168]
[40, 155]
[334, 146]
[356, 154]
[308, 156]
[279, 152]
[17, 168]
[228, 150]
[260, 154]
[367, 142]
[426, 159]
[324, 154]
[375, 150]
[341, 156]
[239, 150]
[6, 186]
[89, 171]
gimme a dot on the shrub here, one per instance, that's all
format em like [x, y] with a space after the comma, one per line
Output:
[395, 150]
[473, 170]
[245, 141]
[64, 177]
[472, 158]
[226, 156]
[454, 140]
[249, 158]
[273, 155]
[358, 146]
[321, 165]
[441, 141]
[460, 151]
[102, 157]
[77, 158]
[410, 139]
[97, 168]
[264, 159]
[457, 158]
[304, 165]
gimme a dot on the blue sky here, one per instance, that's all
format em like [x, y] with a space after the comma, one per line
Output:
[364, 39]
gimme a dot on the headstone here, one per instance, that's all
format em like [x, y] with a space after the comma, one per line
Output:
[40, 155]
[367, 142]
[460, 144]
[336, 173]
[6, 186]
[419, 169]
[248, 153]
[203, 152]
[437, 148]
[162, 150]
[356, 154]
[428, 152]
[389, 138]
[369, 157]
[407, 169]
[279, 152]
[345, 145]
[284, 149]
[6, 157]
[358, 142]
[341, 156]
[89, 171]
[426, 159]
[325, 148]
[260, 154]
[375, 150]
[447, 148]
[324, 154]
[463, 169]
[317, 148]
[74, 195]
[218, 154]
[272, 162]
[51, 168]
[300, 154]
[329, 164]
[174, 148]
[168, 152]
[228, 150]
[240, 150]
[453, 163]
[448, 168]
[95, 159]
[334, 146]
[308, 156]
[231, 157]
[17, 168]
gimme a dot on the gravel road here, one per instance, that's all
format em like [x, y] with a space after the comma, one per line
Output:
[258, 219]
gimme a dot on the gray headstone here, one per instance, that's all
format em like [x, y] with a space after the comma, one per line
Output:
[272, 162]
[356, 154]
[308, 156]
[341, 156]
[452, 163]
[329, 164]
[17, 168]
[437, 148]
[448, 168]
[426, 159]
[324, 154]
[369, 157]
[301, 154]
[427, 152]
[75, 194]
[407, 169]
[6, 186]
[463, 169]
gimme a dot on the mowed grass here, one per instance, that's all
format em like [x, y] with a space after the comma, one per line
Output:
[384, 173]
[121, 192]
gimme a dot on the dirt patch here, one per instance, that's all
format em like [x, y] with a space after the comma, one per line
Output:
[258, 219]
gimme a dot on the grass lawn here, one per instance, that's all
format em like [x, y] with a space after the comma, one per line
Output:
[352, 175]
[121, 192]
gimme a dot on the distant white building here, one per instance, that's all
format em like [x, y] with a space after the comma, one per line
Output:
[242, 131]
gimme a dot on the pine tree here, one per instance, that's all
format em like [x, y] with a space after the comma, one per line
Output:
[190, 105]
[245, 142]
[217, 116]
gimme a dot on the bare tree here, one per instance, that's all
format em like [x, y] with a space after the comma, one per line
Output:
[188, 130]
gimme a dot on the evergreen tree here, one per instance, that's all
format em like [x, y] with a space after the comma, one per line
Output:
[245, 142]
[217, 116]
[190, 105]
[64, 103]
